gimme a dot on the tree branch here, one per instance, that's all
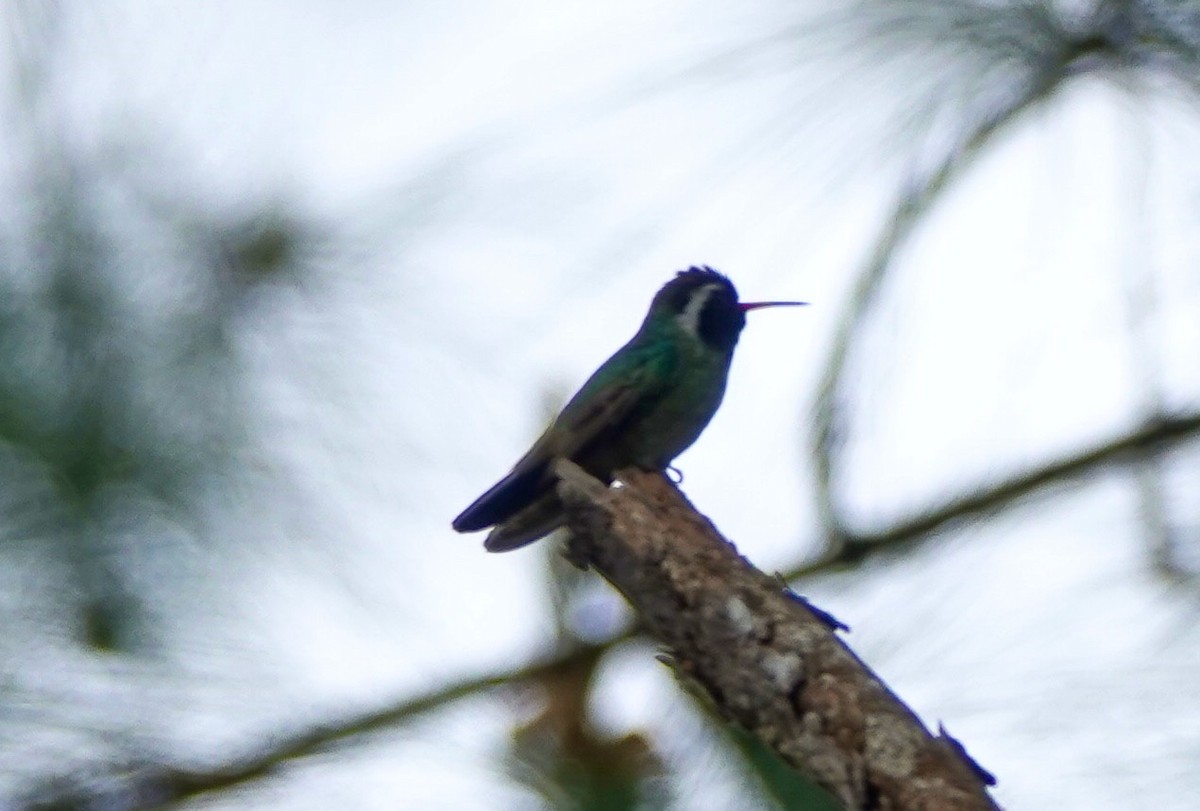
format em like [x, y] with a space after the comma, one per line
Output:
[768, 661]
[146, 785]
[151, 785]
[143, 786]
[1152, 438]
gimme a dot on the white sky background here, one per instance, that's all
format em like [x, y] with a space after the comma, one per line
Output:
[524, 176]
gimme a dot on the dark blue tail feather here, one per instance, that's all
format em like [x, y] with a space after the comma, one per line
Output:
[503, 500]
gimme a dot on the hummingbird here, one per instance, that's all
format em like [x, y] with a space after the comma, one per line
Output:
[643, 407]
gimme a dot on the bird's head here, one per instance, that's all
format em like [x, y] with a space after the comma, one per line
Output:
[704, 304]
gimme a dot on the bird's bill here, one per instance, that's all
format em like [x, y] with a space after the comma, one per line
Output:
[747, 306]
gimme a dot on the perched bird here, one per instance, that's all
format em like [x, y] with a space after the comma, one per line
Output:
[643, 407]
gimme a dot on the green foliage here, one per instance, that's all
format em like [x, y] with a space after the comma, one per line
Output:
[118, 386]
[791, 790]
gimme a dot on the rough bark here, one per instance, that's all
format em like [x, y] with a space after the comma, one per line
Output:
[768, 660]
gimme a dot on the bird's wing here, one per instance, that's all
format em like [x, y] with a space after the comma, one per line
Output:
[611, 397]
[624, 387]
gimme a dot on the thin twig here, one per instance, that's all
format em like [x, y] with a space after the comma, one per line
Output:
[1150, 440]
[913, 203]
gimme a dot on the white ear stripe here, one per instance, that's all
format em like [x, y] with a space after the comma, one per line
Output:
[689, 319]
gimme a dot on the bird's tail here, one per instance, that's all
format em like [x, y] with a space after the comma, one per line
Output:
[505, 499]
[537, 520]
